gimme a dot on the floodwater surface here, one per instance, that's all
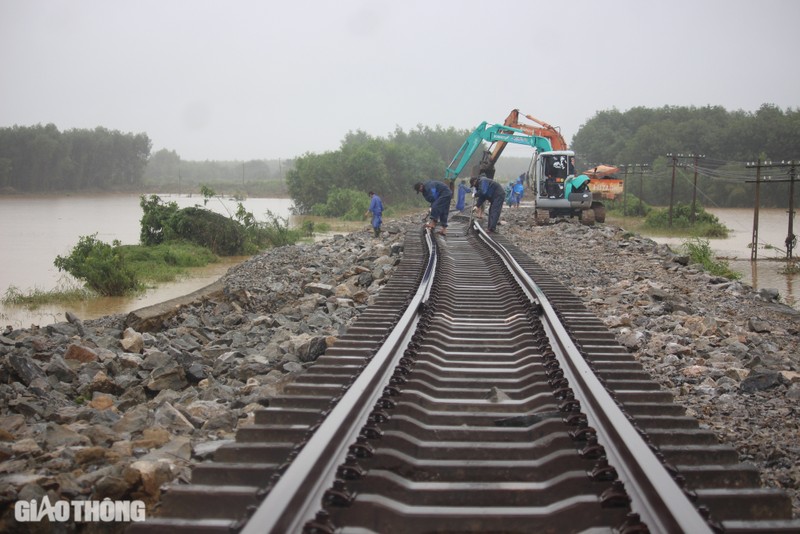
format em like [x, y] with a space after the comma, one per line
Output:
[37, 229]
[766, 271]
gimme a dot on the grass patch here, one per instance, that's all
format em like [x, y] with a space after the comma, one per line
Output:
[151, 265]
[36, 297]
[326, 225]
[699, 251]
[165, 262]
[640, 225]
[791, 267]
[705, 224]
[321, 225]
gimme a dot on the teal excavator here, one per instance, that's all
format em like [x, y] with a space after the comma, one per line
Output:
[558, 191]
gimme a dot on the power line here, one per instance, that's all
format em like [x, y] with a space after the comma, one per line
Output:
[791, 239]
[675, 158]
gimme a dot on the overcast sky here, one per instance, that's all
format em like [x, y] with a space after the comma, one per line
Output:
[261, 79]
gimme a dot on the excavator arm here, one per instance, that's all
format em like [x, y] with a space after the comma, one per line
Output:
[540, 128]
[498, 135]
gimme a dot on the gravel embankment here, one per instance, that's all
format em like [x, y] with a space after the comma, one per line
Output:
[728, 354]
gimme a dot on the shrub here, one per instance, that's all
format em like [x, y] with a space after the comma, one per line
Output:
[236, 235]
[699, 251]
[307, 228]
[274, 232]
[155, 220]
[220, 234]
[630, 206]
[347, 204]
[100, 266]
[705, 224]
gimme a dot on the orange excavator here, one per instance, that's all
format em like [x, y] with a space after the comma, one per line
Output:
[540, 128]
[602, 183]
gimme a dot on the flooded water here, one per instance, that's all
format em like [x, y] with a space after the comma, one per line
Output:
[37, 229]
[765, 272]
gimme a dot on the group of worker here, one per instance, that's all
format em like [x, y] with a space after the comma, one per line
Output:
[485, 189]
[439, 195]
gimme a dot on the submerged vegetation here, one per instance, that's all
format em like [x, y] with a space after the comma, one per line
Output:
[37, 297]
[791, 267]
[171, 241]
[704, 224]
[641, 217]
[100, 265]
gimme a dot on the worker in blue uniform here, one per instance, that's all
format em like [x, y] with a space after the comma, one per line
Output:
[463, 189]
[518, 191]
[440, 196]
[488, 189]
[376, 208]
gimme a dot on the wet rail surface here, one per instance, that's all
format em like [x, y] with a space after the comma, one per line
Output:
[469, 417]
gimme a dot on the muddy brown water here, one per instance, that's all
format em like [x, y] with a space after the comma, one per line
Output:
[37, 229]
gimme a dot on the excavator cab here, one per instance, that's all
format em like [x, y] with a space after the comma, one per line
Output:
[552, 170]
[553, 174]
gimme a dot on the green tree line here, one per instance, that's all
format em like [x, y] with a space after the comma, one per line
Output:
[42, 158]
[166, 171]
[389, 166]
[728, 140]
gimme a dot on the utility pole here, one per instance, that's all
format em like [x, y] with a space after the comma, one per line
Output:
[625, 192]
[694, 191]
[791, 238]
[672, 188]
[754, 239]
[675, 159]
[641, 186]
[792, 166]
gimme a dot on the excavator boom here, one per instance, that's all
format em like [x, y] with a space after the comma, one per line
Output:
[498, 135]
[540, 128]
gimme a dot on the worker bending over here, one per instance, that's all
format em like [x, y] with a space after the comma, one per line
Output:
[488, 189]
[439, 195]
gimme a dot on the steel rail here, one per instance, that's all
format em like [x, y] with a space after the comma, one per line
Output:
[298, 494]
[655, 496]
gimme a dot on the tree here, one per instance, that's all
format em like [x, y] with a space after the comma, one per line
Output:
[312, 178]
[163, 166]
[728, 139]
[43, 159]
[365, 163]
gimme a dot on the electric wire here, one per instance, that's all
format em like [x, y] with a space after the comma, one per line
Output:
[710, 201]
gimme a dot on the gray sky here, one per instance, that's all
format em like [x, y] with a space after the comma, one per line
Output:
[254, 79]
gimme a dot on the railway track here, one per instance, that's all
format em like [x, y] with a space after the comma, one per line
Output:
[477, 395]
